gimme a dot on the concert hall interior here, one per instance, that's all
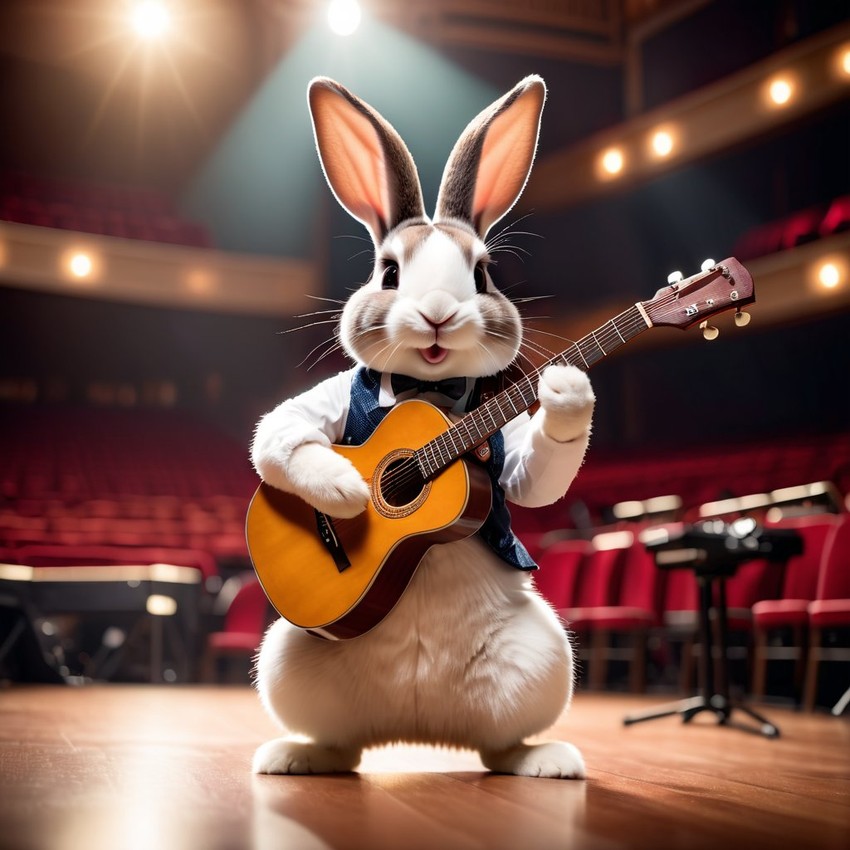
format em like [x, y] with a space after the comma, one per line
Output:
[173, 265]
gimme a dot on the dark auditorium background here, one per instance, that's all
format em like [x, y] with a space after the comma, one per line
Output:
[165, 230]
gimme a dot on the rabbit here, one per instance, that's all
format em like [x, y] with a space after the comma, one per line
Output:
[471, 656]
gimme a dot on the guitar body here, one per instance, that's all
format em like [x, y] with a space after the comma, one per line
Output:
[338, 578]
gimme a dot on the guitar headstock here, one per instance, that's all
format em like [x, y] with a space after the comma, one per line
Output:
[727, 285]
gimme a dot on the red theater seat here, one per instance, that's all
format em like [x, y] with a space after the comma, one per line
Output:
[837, 218]
[560, 565]
[831, 609]
[790, 612]
[635, 609]
[246, 620]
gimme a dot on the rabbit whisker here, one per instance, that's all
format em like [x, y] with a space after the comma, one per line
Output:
[308, 325]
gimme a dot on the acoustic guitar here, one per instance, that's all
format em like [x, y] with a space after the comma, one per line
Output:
[338, 578]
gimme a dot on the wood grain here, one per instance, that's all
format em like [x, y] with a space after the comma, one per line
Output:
[114, 767]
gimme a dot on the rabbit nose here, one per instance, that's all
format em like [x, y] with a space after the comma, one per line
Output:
[438, 308]
[438, 323]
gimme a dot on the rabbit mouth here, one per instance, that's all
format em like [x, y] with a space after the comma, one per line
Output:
[434, 354]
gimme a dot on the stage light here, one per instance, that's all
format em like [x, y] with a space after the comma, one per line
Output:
[662, 143]
[344, 16]
[612, 162]
[780, 90]
[151, 19]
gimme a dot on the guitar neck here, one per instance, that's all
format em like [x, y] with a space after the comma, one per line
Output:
[494, 414]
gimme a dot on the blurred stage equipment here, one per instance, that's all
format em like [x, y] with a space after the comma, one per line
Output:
[147, 610]
[714, 550]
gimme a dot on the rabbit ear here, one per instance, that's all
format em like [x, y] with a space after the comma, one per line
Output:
[367, 165]
[490, 163]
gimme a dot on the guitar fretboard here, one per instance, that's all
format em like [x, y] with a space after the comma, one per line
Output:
[494, 414]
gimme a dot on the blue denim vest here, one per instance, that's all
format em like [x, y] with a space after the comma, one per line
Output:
[364, 416]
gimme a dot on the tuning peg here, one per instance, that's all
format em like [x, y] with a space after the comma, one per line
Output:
[709, 331]
[707, 264]
[674, 277]
[742, 319]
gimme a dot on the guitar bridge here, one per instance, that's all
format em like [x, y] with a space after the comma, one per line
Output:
[327, 532]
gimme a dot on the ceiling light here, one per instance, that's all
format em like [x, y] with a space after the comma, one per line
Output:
[80, 265]
[612, 162]
[151, 19]
[344, 16]
[200, 281]
[829, 275]
[780, 90]
[662, 143]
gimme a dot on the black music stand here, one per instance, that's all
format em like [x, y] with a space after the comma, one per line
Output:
[714, 689]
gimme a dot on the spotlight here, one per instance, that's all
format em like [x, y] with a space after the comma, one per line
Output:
[344, 16]
[612, 162]
[151, 19]
[780, 90]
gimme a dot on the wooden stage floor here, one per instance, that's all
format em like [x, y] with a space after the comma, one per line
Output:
[114, 767]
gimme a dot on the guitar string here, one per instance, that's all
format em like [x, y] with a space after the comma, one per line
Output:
[407, 472]
[632, 321]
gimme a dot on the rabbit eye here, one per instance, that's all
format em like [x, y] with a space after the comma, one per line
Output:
[480, 278]
[389, 279]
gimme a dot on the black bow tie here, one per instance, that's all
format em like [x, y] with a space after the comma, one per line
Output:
[450, 387]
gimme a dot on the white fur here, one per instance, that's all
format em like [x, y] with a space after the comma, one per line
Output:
[470, 657]
[436, 303]
[566, 402]
[326, 480]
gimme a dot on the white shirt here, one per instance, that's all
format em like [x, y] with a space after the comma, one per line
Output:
[538, 470]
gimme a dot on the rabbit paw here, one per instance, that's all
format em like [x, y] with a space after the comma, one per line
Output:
[327, 481]
[566, 401]
[553, 760]
[285, 756]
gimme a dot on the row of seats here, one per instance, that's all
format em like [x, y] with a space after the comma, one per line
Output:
[698, 476]
[122, 211]
[804, 226]
[609, 588]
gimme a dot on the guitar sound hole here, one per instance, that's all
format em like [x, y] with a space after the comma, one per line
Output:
[401, 482]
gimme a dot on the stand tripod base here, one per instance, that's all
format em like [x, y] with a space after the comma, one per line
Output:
[719, 705]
